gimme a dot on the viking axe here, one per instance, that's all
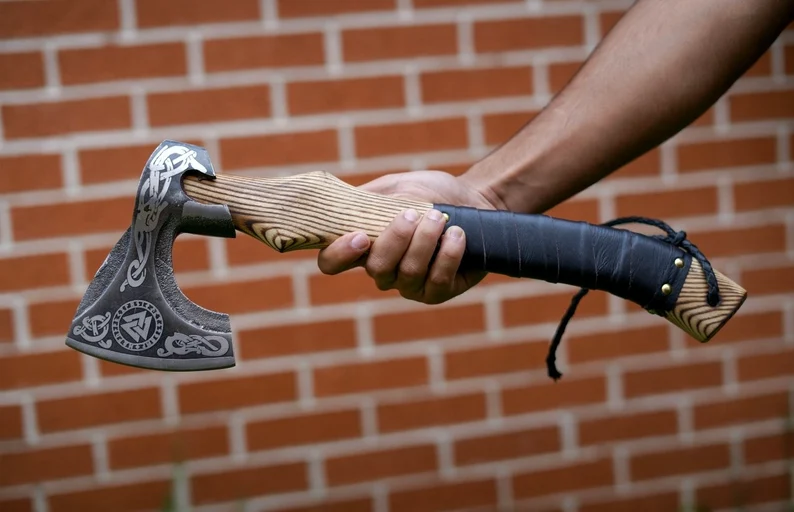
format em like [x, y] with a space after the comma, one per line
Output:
[134, 313]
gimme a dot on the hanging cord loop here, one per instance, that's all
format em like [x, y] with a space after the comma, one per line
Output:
[676, 238]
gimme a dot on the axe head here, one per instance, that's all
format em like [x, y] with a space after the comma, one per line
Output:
[133, 312]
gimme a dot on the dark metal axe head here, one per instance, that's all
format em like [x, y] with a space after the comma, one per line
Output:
[133, 312]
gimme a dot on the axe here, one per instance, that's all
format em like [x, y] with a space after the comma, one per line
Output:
[134, 313]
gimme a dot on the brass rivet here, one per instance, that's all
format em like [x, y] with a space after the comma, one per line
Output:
[667, 289]
[679, 263]
[446, 217]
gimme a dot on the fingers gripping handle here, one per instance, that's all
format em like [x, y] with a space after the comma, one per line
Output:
[657, 275]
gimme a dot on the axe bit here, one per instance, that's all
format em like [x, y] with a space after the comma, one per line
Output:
[134, 313]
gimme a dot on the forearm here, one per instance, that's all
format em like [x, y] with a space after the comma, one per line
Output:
[658, 70]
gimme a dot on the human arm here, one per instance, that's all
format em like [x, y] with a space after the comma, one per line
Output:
[662, 66]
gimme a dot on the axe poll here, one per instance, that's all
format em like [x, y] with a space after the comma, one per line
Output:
[134, 313]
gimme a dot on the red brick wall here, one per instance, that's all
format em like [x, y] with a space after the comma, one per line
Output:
[346, 397]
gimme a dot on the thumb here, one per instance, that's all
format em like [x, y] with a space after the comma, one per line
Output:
[344, 253]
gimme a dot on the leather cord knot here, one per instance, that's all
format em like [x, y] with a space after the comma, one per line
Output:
[676, 238]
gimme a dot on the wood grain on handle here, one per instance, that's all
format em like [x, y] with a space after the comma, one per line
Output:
[305, 211]
[311, 210]
[693, 314]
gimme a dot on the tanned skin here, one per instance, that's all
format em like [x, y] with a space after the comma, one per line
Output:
[660, 68]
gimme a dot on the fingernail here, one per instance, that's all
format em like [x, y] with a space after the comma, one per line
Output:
[455, 232]
[411, 215]
[360, 241]
[434, 215]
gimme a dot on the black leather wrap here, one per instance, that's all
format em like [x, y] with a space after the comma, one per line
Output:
[629, 265]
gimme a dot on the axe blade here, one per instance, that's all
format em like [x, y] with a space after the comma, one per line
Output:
[133, 311]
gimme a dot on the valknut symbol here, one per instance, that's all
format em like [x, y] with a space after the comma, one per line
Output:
[137, 325]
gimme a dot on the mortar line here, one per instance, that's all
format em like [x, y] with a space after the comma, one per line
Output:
[722, 116]
[620, 465]
[99, 454]
[317, 484]
[380, 498]
[783, 147]
[364, 330]
[615, 400]
[569, 436]
[446, 462]
[195, 59]
[333, 49]
[40, 503]
[169, 400]
[91, 374]
[128, 18]
[778, 61]
[369, 418]
[140, 116]
[305, 386]
[347, 144]
[269, 11]
[725, 202]
[504, 489]
[465, 39]
[436, 370]
[413, 91]
[30, 420]
[278, 100]
[22, 330]
[237, 438]
[70, 173]
[592, 29]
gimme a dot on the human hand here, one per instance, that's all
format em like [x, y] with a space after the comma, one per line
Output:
[400, 258]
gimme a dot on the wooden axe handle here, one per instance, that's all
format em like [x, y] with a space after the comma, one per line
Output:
[311, 210]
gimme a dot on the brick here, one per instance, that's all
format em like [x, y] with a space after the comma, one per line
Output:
[189, 254]
[10, 422]
[109, 63]
[6, 326]
[662, 502]
[38, 465]
[502, 126]
[370, 376]
[646, 165]
[560, 73]
[705, 119]
[17, 505]
[152, 13]
[528, 34]
[585, 210]
[91, 410]
[25, 173]
[755, 106]
[608, 20]
[51, 17]
[719, 243]
[679, 461]
[765, 366]
[236, 297]
[759, 195]
[626, 427]
[429, 4]
[550, 308]
[303, 430]
[417, 137]
[761, 67]
[377, 465]
[209, 105]
[303, 338]
[247, 250]
[228, 394]
[34, 271]
[432, 323]
[51, 318]
[168, 447]
[119, 498]
[351, 286]
[741, 411]
[509, 445]
[472, 84]
[288, 9]
[445, 496]
[288, 50]
[489, 360]
[766, 281]
[65, 117]
[614, 345]
[325, 96]
[39, 369]
[747, 491]
[279, 149]
[359, 45]
[672, 379]
[700, 156]
[578, 476]
[358, 505]
[23, 70]
[769, 448]
[74, 218]
[545, 396]
[431, 412]
[789, 58]
[670, 204]
[101, 165]
[748, 326]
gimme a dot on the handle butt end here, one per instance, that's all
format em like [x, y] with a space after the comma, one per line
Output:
[694, 315]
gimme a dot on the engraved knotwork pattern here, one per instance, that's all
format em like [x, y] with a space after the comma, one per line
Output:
[94, 329]
[182, 344]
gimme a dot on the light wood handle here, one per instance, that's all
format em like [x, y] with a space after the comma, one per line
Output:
[311, 210]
